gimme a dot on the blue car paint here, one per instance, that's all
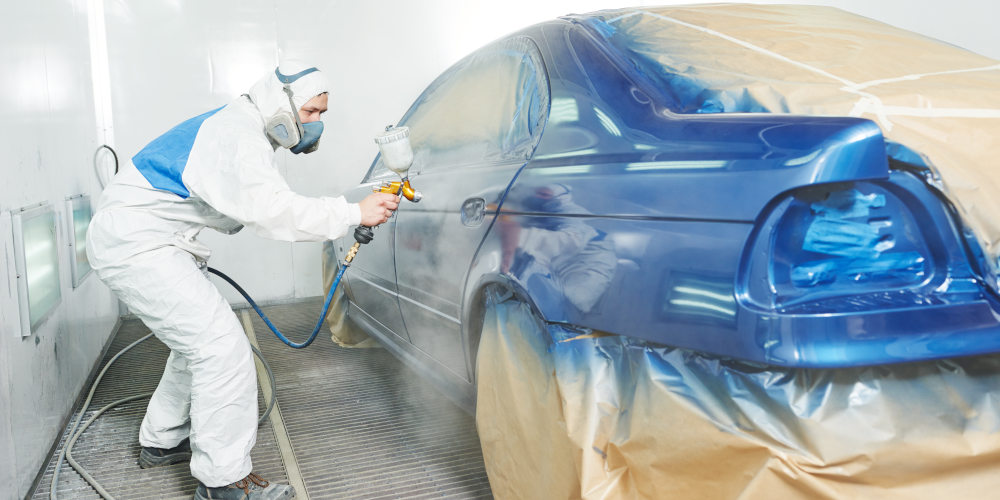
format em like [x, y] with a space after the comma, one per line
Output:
[693, 201]
[654, 235]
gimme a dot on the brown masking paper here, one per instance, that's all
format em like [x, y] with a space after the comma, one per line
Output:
[342, 331]
[562, 415]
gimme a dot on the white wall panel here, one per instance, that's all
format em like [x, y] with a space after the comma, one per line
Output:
[48, 132]
[173, 60]
[10, 325]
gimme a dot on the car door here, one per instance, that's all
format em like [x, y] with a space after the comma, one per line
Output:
[472, 131]
[372, 279]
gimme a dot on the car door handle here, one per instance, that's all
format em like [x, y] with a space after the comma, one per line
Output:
[473, 211]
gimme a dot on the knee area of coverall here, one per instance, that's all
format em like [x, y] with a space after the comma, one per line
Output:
[221, 355]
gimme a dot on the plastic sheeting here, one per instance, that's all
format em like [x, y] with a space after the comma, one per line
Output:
[568, 414]
[342, 331]
[940, 102]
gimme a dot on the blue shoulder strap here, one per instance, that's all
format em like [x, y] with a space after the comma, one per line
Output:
[162, 161]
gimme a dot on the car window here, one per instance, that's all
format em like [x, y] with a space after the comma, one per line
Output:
[487, 108]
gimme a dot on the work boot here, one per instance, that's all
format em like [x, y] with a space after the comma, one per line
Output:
[252, 487]
[155, 457]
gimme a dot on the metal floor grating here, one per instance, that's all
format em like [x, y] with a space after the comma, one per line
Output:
[358, 423]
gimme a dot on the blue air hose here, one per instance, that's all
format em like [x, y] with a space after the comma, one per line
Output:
[281, 337]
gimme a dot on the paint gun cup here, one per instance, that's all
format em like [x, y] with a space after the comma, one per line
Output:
[394, 145]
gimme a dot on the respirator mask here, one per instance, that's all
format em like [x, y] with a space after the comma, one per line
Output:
[286, 129]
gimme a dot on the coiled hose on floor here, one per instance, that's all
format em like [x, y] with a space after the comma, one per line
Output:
[75, 433]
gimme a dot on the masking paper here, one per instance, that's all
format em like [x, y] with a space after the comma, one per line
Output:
[342, 331]
[567, 414]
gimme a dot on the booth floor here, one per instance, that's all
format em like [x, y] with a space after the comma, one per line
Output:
[349, 423]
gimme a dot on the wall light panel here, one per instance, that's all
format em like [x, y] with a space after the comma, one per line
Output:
[36, 261]
[79, 220]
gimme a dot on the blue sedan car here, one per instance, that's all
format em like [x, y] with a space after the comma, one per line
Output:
[620, 226]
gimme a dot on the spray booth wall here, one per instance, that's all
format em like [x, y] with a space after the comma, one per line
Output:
[48, 134]
[81, 73]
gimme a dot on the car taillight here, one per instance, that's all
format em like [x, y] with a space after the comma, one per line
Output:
[841, 247]
[850, 237]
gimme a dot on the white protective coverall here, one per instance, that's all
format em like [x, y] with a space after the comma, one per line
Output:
[216, 171]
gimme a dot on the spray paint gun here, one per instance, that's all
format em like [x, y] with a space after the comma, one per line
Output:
[397, 155]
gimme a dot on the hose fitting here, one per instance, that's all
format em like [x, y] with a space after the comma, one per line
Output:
[351, 253]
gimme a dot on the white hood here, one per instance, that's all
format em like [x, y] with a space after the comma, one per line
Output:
[267, 93]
